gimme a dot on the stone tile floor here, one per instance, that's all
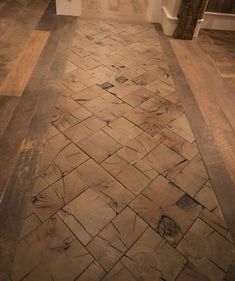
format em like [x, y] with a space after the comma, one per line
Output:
[122, 192]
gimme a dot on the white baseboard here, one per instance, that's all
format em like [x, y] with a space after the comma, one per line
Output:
[218, 21]
[169, 23]
[69, 7]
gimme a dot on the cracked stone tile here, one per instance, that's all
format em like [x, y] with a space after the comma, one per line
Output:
[152, 258]
[161, 88]
[72, 80]
[175, 98]
[145, 166]
[51, 132]
[39, 185]
[91, 211]
[107, 107]
[206, 196]
[75, 226]
[59, 158]
[138, 96]
[181, 127]
[192, 177]
[165, 161]
[207, 250]
[153, 115]
[178, 144]
[123, 90]
[120, 273]
[94, 273]
[88, 94]
[48, 251]
[121, 79]
[216, 220]
[99, 146]
[69, 67]
[167, 209]
[122, 130]
[191, 273]
[68, 113]
[84, 129]
[127, 174]
[138, 147]
[30, 223]
[115, 239]
[111, 191]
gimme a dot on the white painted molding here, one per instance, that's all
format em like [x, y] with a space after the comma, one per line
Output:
[69, 7]
[219, 21]
[169, 23]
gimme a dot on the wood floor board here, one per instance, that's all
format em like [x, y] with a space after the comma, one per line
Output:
[21, 70]
[216, 167]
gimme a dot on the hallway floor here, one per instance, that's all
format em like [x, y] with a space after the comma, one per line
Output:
[121, 191]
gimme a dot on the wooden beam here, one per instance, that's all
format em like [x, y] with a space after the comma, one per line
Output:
[189, 13]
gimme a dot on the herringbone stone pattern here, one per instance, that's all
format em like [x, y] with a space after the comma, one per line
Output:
[122, 193]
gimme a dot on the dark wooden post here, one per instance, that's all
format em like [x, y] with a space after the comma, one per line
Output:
[189, 13]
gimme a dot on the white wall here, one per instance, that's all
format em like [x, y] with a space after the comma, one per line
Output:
[69, 7]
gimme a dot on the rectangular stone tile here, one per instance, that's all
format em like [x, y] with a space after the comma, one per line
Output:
[207, 250]
[80, 131]
[153, 258]
[88, 94]
[51, 249]
[182, 128]
[111, 191]
[59, 158]
[166, 161]
[91, 211]
[72, 80]
[107, 107]
[138, 147]
[206, 196]
[167, 209]
[120, 273]
[115, 239]
[127, 174]
[30, 223]
[123, 90]
[145, 166]
[75, 226]
[138, 96]
[99, 146]
[122, 130]
[191, 273]
[93, 273]
[68, 113]
[161, 88]
[39, 185]
[178, 144]
[192, 177]
[175, 98]
[153, 115]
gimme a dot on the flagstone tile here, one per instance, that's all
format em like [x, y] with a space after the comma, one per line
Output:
[167, 209]
[122, 130]
[208, 250]
[127, 174]
[138, 147]
[51, 249]
[192, 177]
[84, 129]
[115, 239]
[165, 161]
[178, 144]
[152, 258]
[91, 211]
[99, 146]
[93, 273]
[182, 128]
[153, 115]
[138, 96]
[111, 191]
[206, 196]
[120, 273]
[88, 94]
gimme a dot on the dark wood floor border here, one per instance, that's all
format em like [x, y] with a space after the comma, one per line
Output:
[34, 110]
[223, 185]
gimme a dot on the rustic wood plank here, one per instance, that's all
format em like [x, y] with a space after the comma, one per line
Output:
[36, 122]
[220, 177]
[21, 70]
[7, 107]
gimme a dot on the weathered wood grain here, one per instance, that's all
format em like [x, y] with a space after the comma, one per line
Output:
[21, 70]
